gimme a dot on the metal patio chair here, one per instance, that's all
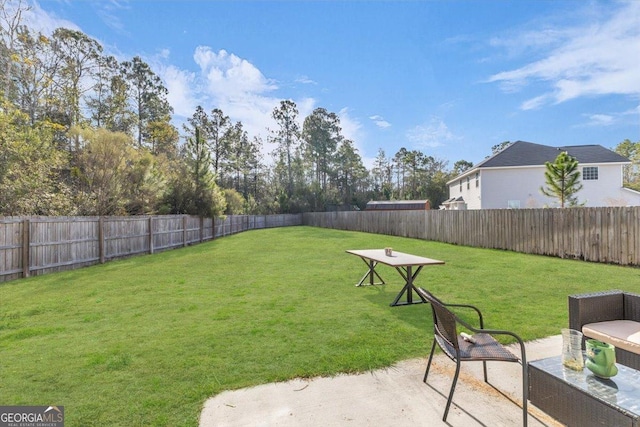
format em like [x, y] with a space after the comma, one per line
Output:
[480, 346]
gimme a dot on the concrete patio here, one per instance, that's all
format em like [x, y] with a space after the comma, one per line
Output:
[395, 396]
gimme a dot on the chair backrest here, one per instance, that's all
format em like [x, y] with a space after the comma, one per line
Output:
[444, 321]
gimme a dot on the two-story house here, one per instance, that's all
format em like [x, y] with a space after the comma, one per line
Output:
[512, 179]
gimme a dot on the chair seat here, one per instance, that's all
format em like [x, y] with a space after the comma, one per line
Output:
[485, 348]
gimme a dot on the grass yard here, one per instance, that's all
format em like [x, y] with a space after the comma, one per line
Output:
[145, 341]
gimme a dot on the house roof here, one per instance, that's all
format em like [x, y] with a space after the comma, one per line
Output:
[522, 153]
[397, 205]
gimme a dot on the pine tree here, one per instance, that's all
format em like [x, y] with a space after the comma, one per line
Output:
[562, 179]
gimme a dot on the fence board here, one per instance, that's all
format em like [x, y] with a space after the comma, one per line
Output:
[11, 247]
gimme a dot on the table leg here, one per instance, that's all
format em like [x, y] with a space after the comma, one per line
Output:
[409, 287]
[370, 273]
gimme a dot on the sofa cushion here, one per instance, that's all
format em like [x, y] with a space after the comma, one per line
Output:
[624, 334]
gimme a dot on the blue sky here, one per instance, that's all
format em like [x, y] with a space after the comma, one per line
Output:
[449, 78]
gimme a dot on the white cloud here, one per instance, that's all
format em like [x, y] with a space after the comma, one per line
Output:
[44, 22]
[534, 103]
[380, 121]
[223, 81]
[180, 84]
[229, 76]
[433, 134]
[47, 22]
[351, 128]
[108, 12]
[601, 119]
[305, 107]
[632, 112]
[234, 85]
[306, 80]
[530, 41]
[593, 59]
[164, 53]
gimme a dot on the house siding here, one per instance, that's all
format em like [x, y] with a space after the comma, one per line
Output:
[473, 195]
[519, 187]
[607, 190]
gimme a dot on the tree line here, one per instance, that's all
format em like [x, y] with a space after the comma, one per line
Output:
[83, 133]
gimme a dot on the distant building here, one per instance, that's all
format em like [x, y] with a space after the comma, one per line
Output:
[454, 204]
[399, 205]
[512, 178]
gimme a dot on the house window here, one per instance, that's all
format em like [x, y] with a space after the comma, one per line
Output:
[467, 183]
[477, 179]
[461, 186]
[590, 173]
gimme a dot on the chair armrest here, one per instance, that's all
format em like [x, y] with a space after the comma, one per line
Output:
[631, 307]
[595, 307]
[476, 309]
[523, 351]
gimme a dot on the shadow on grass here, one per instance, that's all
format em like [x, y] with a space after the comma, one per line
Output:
[416, 315]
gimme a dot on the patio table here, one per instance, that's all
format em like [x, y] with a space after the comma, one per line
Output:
[407, 265]
[580, 399]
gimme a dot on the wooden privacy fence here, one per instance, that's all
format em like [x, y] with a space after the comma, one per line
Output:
[607, 234]
[40, 245]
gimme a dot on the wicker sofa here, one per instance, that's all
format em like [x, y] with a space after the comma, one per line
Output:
[612, 317]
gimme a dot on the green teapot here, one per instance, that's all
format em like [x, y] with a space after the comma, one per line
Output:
[601, 359]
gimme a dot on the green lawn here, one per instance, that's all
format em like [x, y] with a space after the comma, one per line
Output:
[145, 341]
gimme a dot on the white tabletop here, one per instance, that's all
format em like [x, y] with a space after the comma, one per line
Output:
[397, 259]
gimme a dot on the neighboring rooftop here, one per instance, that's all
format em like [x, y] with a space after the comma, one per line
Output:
[521, 153]
[393, 205]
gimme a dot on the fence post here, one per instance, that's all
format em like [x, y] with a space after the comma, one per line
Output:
[151, 234]
[101, 239]
[184, 231]
[201, 229]
[26, 252]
